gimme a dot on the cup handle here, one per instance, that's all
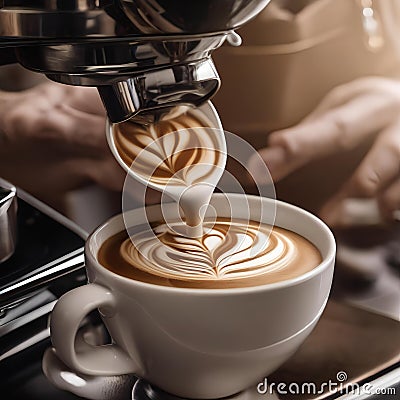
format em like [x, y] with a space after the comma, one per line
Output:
[66, 318]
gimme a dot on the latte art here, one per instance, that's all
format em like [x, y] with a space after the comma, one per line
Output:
[228, 250]
[178, 151]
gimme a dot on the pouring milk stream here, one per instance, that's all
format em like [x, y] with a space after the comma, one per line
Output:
[180, 155]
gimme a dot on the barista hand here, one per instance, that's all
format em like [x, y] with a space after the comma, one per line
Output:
[350, 114]
[53, 138]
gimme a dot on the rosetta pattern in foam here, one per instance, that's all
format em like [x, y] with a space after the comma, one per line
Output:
[228, 250]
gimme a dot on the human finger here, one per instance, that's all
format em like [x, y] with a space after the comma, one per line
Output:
[86, 99]
[340, 129]
[389, 201]
[72, 132]
[105, 172]
[346, 92]
[376, 174]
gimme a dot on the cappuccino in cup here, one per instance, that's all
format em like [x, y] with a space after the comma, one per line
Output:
[230, 254]
[198, 338]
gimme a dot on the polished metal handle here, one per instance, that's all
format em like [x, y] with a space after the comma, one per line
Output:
[155, 91]
[8, 221]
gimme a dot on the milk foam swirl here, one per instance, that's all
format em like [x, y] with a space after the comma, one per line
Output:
[180, 150]
[228, 250]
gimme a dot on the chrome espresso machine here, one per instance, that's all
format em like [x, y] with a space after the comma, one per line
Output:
[144, 57]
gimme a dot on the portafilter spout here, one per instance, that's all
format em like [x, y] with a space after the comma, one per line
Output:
[150, 93]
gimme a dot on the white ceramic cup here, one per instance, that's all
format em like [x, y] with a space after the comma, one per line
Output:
[196, 343]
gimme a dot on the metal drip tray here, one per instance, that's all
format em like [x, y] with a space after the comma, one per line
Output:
[47, 261]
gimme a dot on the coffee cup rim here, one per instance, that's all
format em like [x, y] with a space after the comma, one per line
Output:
[325, 263]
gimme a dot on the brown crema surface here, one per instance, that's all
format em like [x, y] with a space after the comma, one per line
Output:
[220, 259]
